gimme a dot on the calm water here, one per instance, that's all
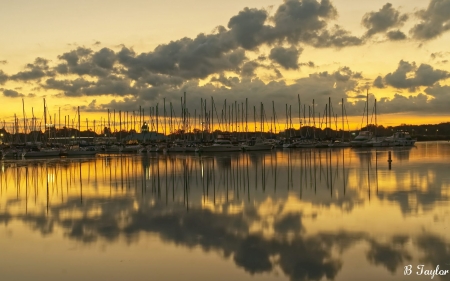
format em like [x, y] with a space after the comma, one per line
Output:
[282, 215]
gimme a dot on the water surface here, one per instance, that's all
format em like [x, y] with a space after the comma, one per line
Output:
[338, 214]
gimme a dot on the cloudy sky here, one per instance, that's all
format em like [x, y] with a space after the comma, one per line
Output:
[120, 55]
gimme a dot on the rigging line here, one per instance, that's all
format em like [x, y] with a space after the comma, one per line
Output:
[362, 121]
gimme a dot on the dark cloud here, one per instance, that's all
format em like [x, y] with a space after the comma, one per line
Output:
[344, 74]
[409, 76]
[439, 55]
[309, 64]
[286, 57]
[12, 94]
[73, 57]
[155, 80]
[248, 28]
[177, 64]
[249, 68]
[111, 85]
[69, 87]
[227, 82]
[3, 77]
[318, 86]
[378, 82]
[396, 35]
[34, 71]
[83, 61]
[382, 20]
[104, 58]
[435, 20]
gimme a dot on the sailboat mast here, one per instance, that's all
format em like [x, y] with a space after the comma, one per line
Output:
[246, 118]
[24, 121]
[164, 104]
[45, 116]
[314, 120]
[376, 124]
[367, 113]
[299, 114]
[342, 109]
[329, 113]
[79, 125]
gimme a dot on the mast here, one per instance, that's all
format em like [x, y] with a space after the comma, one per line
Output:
[342, 108]
[254, 116]
[157, 122]
[329, 113]
[24, 121]
[314, 120]
[376, 124]
[367, 103]
[299, 114]
[165, 131]
[79, 125]
[273, 112]
[120, 125]
[246, 118]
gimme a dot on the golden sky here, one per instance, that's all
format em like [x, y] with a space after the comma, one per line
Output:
[122, 55]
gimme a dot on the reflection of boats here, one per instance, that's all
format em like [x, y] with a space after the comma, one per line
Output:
[257, 144]
[401, 138]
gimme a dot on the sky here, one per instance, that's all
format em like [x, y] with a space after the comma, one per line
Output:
[122, 55]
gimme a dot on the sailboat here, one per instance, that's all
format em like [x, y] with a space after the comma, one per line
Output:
[340, 143]
[363, 137]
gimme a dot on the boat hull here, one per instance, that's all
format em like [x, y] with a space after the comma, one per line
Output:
[258, 147]
[219, 148]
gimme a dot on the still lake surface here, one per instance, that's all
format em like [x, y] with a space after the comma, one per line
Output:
[301, 214]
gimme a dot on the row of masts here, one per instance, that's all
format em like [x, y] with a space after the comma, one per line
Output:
[232, 117]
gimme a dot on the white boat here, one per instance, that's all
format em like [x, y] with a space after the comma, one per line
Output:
[361, 139]
[339, 144]
[257, 144]
[220, 145]
[400, 138]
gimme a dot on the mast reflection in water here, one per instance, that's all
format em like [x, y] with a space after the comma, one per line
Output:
[308, 214]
